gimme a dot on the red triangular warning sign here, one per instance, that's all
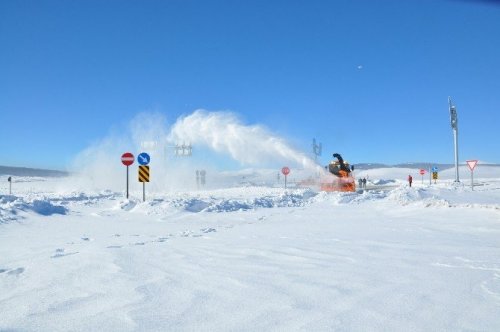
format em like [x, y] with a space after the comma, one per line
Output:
[472, 164]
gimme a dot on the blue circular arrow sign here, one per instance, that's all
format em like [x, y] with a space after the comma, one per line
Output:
[143, 158]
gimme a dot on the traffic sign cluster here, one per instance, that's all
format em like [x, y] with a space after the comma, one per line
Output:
[143, 173]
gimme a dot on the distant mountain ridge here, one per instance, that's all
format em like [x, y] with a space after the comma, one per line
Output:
[25, 171]
[419, 165]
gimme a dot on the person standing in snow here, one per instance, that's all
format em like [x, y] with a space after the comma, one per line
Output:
[410, 179]
[364, 183]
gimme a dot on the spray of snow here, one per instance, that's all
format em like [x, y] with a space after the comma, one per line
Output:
[99, 165]
[250, 145]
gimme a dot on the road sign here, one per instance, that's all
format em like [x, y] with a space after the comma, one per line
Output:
[285, 170]
[472, 164]
[434, 169]
[434, 175]
[127, 159]
[143, 177]
[422, 172]
[143, 158]
[143, 173]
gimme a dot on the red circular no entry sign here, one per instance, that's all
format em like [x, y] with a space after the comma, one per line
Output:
[285, 170]
[127, 159]
[422, 171]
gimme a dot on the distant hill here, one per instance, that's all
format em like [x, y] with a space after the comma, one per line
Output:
[422, 165]
[419, 165]
[24, 171]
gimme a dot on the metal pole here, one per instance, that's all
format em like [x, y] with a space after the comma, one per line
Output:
[455, 135]
[10, 187]
[144, 191]
[454, 126]
[430, 176]
[285, 180]
[472, 179]
[127, 182]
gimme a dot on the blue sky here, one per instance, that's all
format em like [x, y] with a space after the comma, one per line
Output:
[368, 79]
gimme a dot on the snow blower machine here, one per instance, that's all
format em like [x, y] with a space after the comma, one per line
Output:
[339, 176]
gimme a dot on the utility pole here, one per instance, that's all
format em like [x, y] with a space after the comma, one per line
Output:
[183, 150]
[454, 126]
[316, 149]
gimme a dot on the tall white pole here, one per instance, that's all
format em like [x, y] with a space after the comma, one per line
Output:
[455, 136]
[454, 126]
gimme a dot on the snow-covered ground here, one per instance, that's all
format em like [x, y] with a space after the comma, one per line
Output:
[252, 257]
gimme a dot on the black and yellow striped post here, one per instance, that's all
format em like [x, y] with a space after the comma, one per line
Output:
[143, 177]
[434, 176]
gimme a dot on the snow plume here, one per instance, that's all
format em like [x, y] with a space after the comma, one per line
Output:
[250, 145]
[99, 165]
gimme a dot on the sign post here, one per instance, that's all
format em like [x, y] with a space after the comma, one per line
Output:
[422, 172]
[127, 160]
[435, 176]
[143, 177]
[10, 185]
[472, 164]
[434, 173]
[143, 159]
[285, 170]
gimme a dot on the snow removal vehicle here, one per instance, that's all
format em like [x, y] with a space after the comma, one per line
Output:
[339, 176]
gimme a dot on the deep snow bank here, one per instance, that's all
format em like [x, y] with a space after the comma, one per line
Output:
[229, 200]
[243, 199]
[10, 206]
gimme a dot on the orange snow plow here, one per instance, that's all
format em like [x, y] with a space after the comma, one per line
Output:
[339, 177]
